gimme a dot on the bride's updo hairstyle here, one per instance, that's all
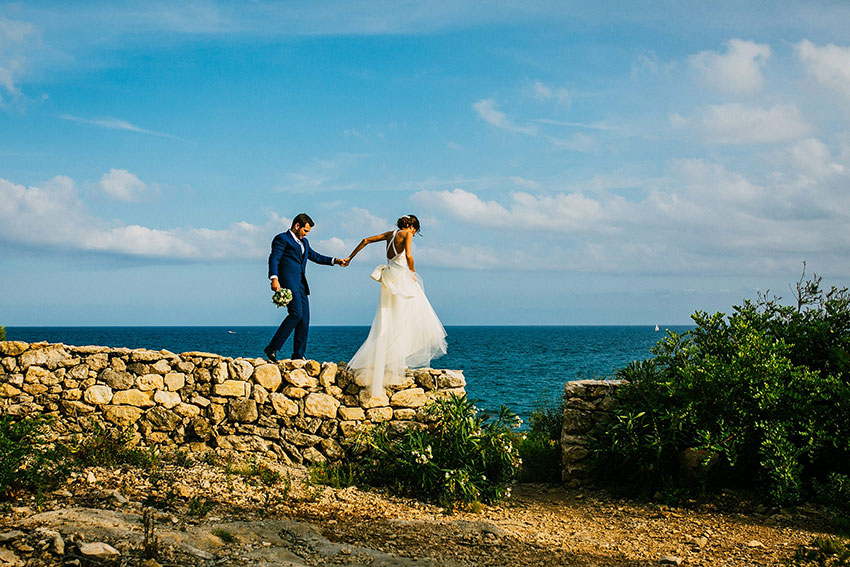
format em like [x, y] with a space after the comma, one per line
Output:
[408, 221]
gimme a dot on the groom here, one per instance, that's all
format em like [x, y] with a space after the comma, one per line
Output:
[287, 266]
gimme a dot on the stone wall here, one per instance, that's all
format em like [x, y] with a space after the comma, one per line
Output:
[586, 403]
[296, 411]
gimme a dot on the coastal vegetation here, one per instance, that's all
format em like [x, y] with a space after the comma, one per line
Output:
[759, 398]
[466, 458]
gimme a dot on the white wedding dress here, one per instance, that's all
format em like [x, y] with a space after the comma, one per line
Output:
[405, 332]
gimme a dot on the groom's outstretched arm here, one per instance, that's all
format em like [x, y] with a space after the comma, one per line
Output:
[314, 256]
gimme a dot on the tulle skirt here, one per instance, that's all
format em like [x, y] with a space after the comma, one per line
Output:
[406, 333]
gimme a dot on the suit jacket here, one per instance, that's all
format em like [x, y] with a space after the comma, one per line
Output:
[288, 263]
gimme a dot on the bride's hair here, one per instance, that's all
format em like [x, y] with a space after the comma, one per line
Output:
[408, 220]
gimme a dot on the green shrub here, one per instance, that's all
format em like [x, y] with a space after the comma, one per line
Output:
[466, 458]
[109, 446]
[2, 333]
[27, 460]
[763, 392]
[540, 449]
[823, 552]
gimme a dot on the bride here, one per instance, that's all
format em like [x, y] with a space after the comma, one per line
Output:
[405, 332]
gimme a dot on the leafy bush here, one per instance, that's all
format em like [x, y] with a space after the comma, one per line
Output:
[107, 447]
[27, 460]
[540, 449]
[2, 333]
[764, 393]
[823, 552]
[466, 458]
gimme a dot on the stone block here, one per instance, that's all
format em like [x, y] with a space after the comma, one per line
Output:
[327, 376]
[242, 369]
[299, 438]
[404, 414]
[283, 405]
[174, 380]
[312, 368]
[186, 410]
[220, 372]
[243, 410]
[233, 389]
[74, 408]
[98, 395]
[412, 398]
[321, 405]
[117, 380]
[36, 374]
[150, 382]
[135, 398]
[294, 393]
[162, 419]
[166, 399]
[161, 367]
[142, 355]
[367, 401]
[268, 376]
[300, 379]
[8, 391]
[377, 415]
[351, 413]
[451, 379]
[332, 449]
[122, 416]
[13, 348]
[313, 455]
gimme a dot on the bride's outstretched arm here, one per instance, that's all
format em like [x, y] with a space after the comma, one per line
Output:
[368, 240]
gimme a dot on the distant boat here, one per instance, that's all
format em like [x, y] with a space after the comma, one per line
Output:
[234, 332]
[656, 327]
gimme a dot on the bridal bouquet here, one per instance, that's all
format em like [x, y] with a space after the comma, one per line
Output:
[282, 297]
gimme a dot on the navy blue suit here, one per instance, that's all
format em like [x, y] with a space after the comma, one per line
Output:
[289, 264]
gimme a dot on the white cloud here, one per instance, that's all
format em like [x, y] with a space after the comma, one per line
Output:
[115, 124]
[814, 157]
[738, 71]
[15, 40]
[54, 216]
[521, 182]
[541, 91]
[561, 212]
[487, 110]
[122, 185]
[736, 123]
[829, 64]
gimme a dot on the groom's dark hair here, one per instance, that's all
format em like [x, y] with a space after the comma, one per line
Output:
[302, 219]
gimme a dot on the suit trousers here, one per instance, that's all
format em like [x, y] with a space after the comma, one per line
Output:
[297, 320]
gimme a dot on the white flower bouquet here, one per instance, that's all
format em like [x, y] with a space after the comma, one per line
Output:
[282, 297]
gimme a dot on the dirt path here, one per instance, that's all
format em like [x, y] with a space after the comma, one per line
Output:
[207, 517]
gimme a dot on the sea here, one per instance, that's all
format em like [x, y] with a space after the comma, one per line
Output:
[520, 367]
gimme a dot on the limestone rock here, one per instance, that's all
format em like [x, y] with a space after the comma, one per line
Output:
[13, 348]
[36, 375]
[368, 401]
[300, 439]
[122, 416]
[268, 376]
[150, 382]
[117, 380]
[327, 376]
[166, 399]
[99, 550]
[321, 405]
[412, 398]
[294, 393]
[186, 410]
[313, 455]
[347, 413]
[98, 395]
[174, 381]
[300, 379]
[74, 407]
[377, 415]
[233, 389]
[332, 449]
[163, 420]
[8, 391]
[243, 410]
[133, 398]
[283, 405]
[242, 369]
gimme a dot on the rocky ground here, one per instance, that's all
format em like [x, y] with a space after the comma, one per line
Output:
[217, 515]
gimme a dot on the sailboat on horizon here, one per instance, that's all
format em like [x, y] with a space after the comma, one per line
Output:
[656, 327]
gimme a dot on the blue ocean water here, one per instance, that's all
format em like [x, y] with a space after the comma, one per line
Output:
[512, 366]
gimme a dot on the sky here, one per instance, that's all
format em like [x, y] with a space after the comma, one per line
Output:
[571, 162]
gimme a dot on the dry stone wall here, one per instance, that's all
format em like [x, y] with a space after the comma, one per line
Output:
[586, 404]
[298, 411]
